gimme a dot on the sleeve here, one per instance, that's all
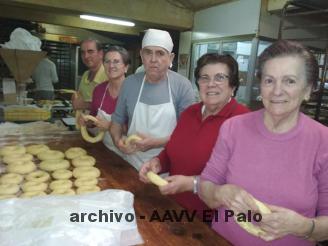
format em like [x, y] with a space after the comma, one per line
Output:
[185, 97]
[54, 76]
[216, 167]
[120, 115]
[322, 207]
[164, 160]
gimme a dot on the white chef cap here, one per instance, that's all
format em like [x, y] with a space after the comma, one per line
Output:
[155, 37]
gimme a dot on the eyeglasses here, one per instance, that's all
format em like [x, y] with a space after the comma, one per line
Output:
[219, 78]
[114, 62]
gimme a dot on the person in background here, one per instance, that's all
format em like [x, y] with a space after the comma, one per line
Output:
[44, 76]
[104, 98]
[277, 155]
[192, 141]
[92, 56]
[150, 102]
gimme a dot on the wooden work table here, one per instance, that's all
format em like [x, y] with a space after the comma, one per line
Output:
[118, 174]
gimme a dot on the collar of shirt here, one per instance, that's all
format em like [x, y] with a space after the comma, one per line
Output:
[99, 75]
[225, 112]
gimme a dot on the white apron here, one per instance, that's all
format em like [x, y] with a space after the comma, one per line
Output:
[157, 121]
[108, 142]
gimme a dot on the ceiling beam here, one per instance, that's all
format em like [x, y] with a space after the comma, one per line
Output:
[149, 12]
[21, 13]
[61, 33]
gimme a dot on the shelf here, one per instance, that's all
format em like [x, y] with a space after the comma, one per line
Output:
[312, 17]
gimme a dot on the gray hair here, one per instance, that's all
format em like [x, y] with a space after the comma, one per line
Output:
[122, 51]
[99, 45]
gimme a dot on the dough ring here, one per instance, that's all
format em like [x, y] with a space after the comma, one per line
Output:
[62, 184]
[21, 167]
[77, 116]
[86, 172]
[12, 158]
[38, 176]
[53, 165]
[156, 179]
[62, 174]
[8, 189]
[250, 227]
[36, 148]
[11, 178]
[87, 189]
[74, 152]
[50, 155]
[12, 149]
[66, 192]
[31, 186]
[83, 161]
[30, 194]
[132, 138]
[80, 182]
[85, 133]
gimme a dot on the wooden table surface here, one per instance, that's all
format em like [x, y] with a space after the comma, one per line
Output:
[118, 174]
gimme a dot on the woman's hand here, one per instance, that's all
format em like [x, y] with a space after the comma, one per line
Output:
[102, 124]
[235, 198]
[231, 196]
[82, 121]
[177, 184]
[151, 165]
[282, 222]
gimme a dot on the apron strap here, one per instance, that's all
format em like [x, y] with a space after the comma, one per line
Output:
[104, 95]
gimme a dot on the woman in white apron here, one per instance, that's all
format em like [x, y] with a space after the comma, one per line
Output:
[116, 62]
[157, 121]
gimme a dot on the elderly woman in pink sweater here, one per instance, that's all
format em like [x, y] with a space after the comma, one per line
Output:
[277, 155]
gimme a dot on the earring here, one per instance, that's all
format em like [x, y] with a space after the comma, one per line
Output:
[259, 98]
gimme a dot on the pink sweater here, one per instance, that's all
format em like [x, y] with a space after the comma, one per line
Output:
[288, 170]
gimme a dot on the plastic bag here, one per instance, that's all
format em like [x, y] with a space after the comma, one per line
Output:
[48, 221]
[21, 39]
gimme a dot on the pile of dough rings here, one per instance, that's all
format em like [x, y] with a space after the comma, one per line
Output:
[74, 152]
[36, 170]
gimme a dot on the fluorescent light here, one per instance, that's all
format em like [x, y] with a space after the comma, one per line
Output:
[107, 20]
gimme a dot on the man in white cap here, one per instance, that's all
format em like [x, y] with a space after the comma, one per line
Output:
[150, 102]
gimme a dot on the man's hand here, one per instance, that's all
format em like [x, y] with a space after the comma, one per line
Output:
[126, 149]
[78, 102]
[149, 142]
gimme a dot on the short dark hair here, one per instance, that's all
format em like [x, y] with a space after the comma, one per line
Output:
[99, 45]
[283, 48]
[47, 49]
[214, 58]
[122, 51]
